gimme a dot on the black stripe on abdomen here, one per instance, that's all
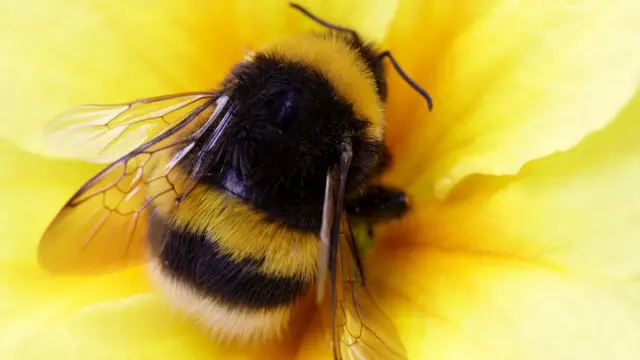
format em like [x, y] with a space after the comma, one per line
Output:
[198, 261]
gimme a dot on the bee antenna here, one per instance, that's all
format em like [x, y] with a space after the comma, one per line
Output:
[406, 77]
[324, 22]
[382, 55]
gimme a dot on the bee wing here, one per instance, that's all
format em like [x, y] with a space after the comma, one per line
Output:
[361, 329]
[105, 133]
[104, 225]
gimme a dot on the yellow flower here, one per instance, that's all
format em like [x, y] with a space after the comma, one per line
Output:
[524, 239]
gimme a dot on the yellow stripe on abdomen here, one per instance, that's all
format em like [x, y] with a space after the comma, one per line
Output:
[222, 319]
[244, 233]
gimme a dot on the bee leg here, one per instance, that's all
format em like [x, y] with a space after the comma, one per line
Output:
[379, 203]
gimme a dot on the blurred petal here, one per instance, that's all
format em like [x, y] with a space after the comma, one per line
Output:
[32, 191]
[316, 343]
[136, 327]
[512, 81]
[107, 52]
[460, 305]
[532, 266]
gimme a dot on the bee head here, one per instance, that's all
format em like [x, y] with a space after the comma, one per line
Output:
[288, 128]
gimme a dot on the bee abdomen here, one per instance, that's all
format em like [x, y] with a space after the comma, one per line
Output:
[197, 260]
[232, 299]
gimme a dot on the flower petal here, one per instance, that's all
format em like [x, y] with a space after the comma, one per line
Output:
[457, 305]
[136, 327]
[528, 266]
[578, 209]
[119, 51]
[512, 81]
[316, 342]
[32, 191]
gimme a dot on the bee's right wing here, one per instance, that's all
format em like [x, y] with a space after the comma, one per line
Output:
[362, 331]
[104, 225]
[105, 133]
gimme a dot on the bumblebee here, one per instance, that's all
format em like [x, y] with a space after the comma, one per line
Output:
[240, 199]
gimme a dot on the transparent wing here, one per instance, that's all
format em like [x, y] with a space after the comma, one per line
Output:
[105, 133]
[361, 329]
[104, 225]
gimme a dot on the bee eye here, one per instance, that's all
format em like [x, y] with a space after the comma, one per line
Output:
[286, 109]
